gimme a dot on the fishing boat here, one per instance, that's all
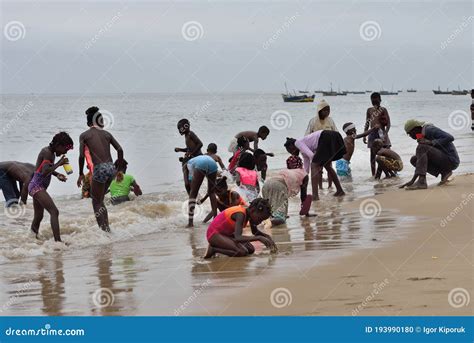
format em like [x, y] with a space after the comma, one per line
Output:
[411, 90]
[356, 92]
[332, 92]
[288, 97]
[439, 91]
[459, 92]
[388, 93]
[298, 98]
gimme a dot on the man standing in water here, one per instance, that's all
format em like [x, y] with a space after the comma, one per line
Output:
[99, 141]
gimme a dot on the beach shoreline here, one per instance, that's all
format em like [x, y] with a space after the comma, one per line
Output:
[428, 272]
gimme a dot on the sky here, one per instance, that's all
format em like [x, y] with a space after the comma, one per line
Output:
[93, 47]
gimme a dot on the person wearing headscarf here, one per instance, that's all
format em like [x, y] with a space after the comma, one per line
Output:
[321, 121]
[435, 154]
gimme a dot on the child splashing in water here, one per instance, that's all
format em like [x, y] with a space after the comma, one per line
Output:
[122, 184]
[45, 168]
[225, 234]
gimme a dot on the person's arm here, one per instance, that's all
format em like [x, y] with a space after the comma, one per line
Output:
[437, 137]
[24, 190]
[307, 154]
[264, 238]
[367, 123]
[204, 198]
[387, 128]
[119, 150]
[221, 164]
[366, 133]
[136, 188]
[180, 150]
[197, 142]
[378, 173]
[237, 178]
[80, 179]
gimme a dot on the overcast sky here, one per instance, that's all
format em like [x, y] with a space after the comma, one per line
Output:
[114, 47]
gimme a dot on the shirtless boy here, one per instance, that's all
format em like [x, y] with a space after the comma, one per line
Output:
[251, 136]
[99, 141]
[387, 160]
[377, 116]
[342, 166]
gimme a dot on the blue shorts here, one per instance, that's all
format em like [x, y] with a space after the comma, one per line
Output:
[9, 188]
[342, 168]
[103, 172]
[204, 163]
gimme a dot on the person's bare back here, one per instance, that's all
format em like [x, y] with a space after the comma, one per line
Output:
[98, 141]
[349, 142]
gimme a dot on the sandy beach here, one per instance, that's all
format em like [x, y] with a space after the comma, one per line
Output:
[411, 276]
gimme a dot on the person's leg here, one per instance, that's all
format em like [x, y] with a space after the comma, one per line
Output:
[330, 180]
[225, 245]
[198, 178]
[100, 211]
[333, 175]
[372, 162]
[187, 184]
[45, 201]
[429, 160]
[37, 217]
[316, 170]
[211, 184]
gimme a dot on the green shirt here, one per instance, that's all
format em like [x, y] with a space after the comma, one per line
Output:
[118, 189]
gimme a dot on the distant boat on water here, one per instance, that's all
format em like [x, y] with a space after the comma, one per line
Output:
[356, 92]
[439, 91]
[388, 93]
[411, 90]
[288, 97]
[400, 91]
[460, 92]
[333, 93]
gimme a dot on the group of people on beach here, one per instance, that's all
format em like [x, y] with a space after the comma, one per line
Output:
[105, 175]
[248, 204]
[255, 196]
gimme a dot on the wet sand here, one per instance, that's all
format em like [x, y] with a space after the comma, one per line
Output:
[411, 276]
[329, 264]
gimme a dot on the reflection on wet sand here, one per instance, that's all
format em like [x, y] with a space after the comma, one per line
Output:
[51, 279]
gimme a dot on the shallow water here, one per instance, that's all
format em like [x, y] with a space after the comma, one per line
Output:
[150, 262]
[161, 272]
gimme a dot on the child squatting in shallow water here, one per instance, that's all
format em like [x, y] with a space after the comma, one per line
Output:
[225, 233]
[45, 169]
[122, 184]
